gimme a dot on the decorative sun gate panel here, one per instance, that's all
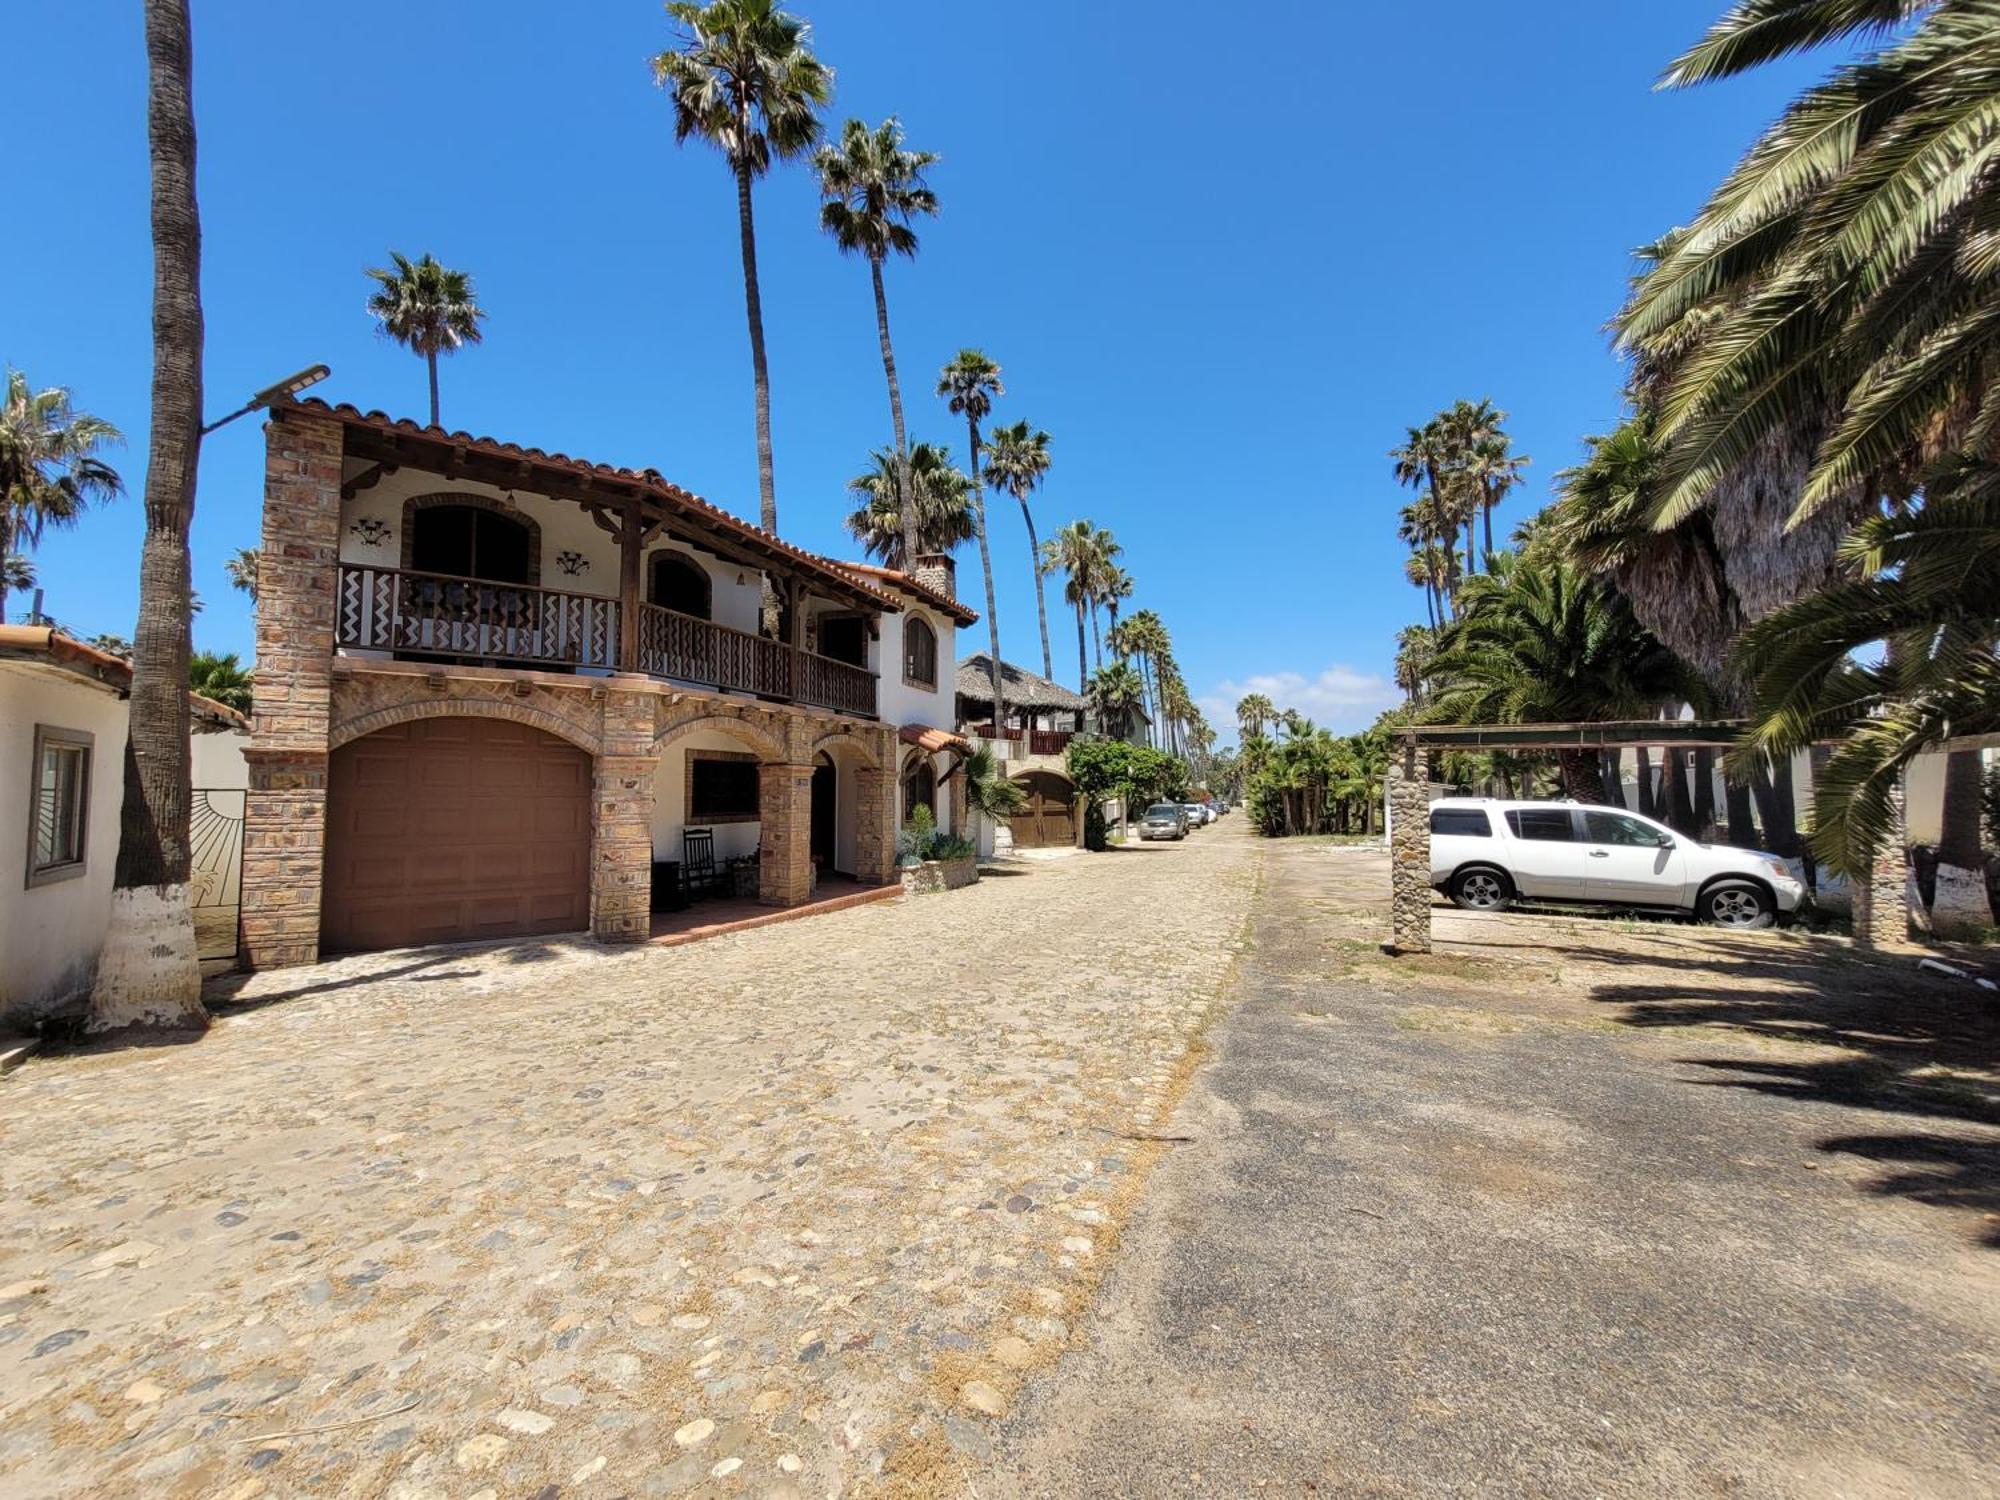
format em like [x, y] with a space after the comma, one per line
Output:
[390, 609]
[215, 848]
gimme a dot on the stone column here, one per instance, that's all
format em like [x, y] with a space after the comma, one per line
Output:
[284, 838]
[961, 819]
[285, 811]
[875, 824]
[1409, 851]
[621, 843]
[784, 848]
[1882, 895]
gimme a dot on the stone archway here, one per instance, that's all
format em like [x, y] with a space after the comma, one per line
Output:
[511, 710]
[767, 748]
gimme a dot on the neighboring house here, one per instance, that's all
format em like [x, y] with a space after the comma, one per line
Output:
[1042, 718]
[504, 692]
[64, 713]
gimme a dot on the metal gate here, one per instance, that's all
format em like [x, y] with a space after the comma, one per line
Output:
[215, 839]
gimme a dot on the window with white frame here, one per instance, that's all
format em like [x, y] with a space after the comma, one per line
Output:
[58, 804]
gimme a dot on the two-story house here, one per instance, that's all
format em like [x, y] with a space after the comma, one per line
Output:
[499, 689]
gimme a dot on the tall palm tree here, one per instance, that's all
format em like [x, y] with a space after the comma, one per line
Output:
[220, 677]
[17, 574]
[1253, 712]
[1116, 587]
[242, 571]
[426, 307]
[744, 79]
[1104, 574]
[942, 508]
[1017, 458]
[1492, 468]
[49, 469]
[148, 977]
[873, 188]
[1077, 551]
[1431, 459]
[1114, 692]
[1147, 638]
[969, 385]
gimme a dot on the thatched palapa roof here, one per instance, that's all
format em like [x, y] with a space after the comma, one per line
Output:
[1022, 689]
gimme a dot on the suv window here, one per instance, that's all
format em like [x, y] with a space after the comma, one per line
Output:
[1617, 828]
[1470, 822]
[1549, 824]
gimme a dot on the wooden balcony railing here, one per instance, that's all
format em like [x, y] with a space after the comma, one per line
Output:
[1038, 741]
[434, 614]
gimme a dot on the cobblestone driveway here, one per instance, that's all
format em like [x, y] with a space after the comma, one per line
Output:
[791, 1211]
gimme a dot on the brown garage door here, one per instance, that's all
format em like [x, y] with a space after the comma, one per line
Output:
[1048, 819]
[450, 830]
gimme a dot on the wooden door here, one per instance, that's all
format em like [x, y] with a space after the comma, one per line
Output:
[455, 829]
[1048, 819]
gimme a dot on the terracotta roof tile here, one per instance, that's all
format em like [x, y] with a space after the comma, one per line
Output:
[925, 738]
[910, 585]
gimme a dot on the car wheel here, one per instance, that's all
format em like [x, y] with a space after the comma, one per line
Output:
[1737, 904]
[1481, 890]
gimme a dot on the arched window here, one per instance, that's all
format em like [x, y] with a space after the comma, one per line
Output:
[471, 541]
[919, 788]
[919, 652]
[681, 584]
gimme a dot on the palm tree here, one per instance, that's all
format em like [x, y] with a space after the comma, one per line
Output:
[942, 510]
[1115, 587]
[743, 78]
[1077, 552]
[1114, 692]
[1415, 646]
[989, 791]
[1104, 574]
[969, 385]
[16, 573]
[1147, 639]
[1491, 465]
[1539, 641]
[220, 677]
[1431, 461]
[49, 469]
[242, 571]
[1017, 459]
[148, 977]
[1253, 712]
[426, 307]
[873, 188]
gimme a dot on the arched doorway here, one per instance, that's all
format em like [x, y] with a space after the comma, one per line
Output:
[919, 787]
[1047, 820]
[825, 810]
[455, 829]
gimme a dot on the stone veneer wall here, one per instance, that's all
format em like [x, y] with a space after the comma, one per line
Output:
[1409, 851]
[1882, 900]
[621, 845]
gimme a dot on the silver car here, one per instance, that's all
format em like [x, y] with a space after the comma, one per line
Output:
[1163, 820]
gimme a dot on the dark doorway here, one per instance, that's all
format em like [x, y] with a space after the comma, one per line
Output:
[681, 584]
[468, 542]
[824, 792]
[844, 638]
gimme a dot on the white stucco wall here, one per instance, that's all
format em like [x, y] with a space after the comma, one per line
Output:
[732, 840]
[903, 702]
[217, 758]
[50, 935]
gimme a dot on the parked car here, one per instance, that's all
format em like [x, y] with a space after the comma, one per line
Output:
[1197, 815]
[1485, 853]
[1164, 820]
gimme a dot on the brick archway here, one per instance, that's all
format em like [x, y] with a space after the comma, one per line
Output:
[841, 739]
[769, 750]
[352, 729]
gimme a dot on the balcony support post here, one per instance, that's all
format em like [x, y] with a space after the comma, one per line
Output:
[629, 527]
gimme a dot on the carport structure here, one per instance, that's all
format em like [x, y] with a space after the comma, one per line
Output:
[1881, 902]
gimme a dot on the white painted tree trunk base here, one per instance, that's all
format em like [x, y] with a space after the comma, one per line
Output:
[148, 976]
[1962, 907]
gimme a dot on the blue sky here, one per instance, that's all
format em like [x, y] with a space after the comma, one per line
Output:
[1224, 286]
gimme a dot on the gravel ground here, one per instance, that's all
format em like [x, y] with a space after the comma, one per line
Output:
[789, 1212]
[1574, 1208]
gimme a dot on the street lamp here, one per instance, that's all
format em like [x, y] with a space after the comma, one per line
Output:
[285, 389]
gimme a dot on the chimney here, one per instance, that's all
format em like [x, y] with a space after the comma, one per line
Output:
[938, 573]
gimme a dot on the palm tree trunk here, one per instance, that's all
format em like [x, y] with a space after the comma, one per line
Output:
[1643, 759]
[1096, 640]
[1471, 547]
[1678, 811]
[753, 303]
[148, 977]
[1958, 829]
[908, 492]
[1041, 600]
[986, 569]
[1704, 789]
[1736, 803]
[431, 359]
[1486, 511]
[1082, 663]
[1430, 603]
[1580, 775]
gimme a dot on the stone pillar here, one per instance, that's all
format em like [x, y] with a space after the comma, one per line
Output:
[960, 819]
[284, 850]
[875, 823]
[285, 810]
[784, 847]
[1882, 895]
[1409, 852]
[621, 842]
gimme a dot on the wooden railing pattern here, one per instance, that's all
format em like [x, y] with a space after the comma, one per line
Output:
[434, 614]
[1038, 741]
[689, 649]
[827, 683]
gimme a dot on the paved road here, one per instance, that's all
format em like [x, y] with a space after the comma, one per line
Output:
[1420, 1247]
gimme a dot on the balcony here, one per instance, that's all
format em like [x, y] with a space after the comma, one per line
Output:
[433, 615]
[1036, 741]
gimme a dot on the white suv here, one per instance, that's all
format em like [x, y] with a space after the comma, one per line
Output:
[1484, 853]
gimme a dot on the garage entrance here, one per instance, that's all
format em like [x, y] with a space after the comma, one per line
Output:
[1048, 819]
[454, 830]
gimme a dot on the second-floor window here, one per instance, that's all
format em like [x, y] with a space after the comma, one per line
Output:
[919, 652]
[468, 542]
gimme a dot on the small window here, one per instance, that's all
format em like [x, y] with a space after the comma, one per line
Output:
[1467, 822]
[1621, 828]
[919, 789]
[722, 788]
[59, 804]
[919, 652]
[1547, 824]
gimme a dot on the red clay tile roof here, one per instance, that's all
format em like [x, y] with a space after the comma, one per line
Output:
[931, 740]
[73, 655]
[911, 586]
[652, 479]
